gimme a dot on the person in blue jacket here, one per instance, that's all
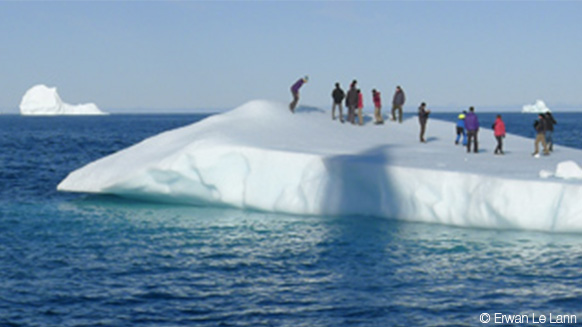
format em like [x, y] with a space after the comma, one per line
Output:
[461, 128]
[472, 127]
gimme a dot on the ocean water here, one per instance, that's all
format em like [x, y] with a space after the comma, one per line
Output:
[85, 260]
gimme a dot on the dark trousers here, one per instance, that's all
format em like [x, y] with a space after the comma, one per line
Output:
[399, 109]
[472, 138]
[461, 132]
[422, 130]
[293, 103]
[550, 140]
[499, 148]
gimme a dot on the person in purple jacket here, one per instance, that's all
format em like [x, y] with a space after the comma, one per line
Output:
[472, 127]
[295, 92]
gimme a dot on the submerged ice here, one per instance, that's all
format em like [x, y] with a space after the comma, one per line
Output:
[260, 156]
[44, 100]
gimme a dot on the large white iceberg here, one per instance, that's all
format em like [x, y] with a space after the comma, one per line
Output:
[537, 108]
[260, 156]
[44, 100]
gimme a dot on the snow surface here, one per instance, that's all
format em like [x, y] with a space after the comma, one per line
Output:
[44, 100]
[536, 108]
[260, 156]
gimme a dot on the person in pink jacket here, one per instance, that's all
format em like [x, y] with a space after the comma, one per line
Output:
[360, 106]
[499, 132]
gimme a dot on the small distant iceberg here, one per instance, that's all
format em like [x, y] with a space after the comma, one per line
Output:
[536, 108]
[41, 100]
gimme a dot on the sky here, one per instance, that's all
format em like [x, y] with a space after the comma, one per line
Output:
[173, 55]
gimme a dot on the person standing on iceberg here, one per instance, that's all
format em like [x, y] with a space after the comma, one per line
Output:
[360, 106]
[397, 103]
[295, 92]
[422, 119]
[472, 127]
[338, 96]
[377, 107]
[352, 102]
[540, 126]
[461, 128]
[499, 132]
[550, 121]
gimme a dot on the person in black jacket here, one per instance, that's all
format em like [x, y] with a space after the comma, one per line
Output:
[422, 118]
[338, 96]
[397, 103]
[550, 122]
[540, 126]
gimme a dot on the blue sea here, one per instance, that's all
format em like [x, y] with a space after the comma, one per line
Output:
[87, 260]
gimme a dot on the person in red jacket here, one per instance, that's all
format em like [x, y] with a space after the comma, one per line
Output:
[499, 132]
[360, 106]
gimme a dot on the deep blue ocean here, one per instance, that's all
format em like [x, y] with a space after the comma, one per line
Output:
[86, 260]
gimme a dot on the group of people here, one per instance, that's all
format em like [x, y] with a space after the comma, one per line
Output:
[467, 125]
[355, 103]
[544, 127]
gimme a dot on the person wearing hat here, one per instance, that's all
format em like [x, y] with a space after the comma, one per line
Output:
[461, 128]
[295, 92]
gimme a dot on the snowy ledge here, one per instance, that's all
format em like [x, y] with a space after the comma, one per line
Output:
[260, 156]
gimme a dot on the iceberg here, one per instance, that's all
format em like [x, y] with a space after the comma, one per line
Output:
[259, 156]
[44, 100]
[537, 108]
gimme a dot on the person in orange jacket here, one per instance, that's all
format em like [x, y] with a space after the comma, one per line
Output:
[499, 132]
